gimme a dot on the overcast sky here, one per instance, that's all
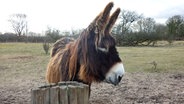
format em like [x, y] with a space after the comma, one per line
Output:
[75, 14]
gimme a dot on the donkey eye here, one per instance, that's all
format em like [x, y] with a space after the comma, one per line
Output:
[103, 49]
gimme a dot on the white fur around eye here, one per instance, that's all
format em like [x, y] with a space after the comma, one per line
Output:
[103, 49]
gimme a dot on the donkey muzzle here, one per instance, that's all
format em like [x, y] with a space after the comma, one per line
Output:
[115, 74]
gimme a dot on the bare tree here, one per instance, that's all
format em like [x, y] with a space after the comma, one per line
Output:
[127, 18]
[18, 23]
[146, 25]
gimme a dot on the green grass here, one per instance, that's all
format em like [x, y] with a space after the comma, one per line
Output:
[168, 58]
[22, 61]
[28, 60]
[21, 49]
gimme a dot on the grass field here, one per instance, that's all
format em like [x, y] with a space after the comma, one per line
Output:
[22, 60]
[23, 67]
[30, 57]
[168, 58]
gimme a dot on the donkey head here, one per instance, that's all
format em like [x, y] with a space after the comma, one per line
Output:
[103, 59]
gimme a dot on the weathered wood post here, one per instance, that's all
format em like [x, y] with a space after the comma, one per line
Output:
[69, 92]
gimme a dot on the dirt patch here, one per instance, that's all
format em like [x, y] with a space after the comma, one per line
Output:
[135, 88]
[177, 76]
[3, 68]
[19, 91]
[141, 88]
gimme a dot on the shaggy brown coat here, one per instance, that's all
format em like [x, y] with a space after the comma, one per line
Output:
[88, 58]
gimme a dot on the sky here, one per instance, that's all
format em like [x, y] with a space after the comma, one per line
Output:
[77, 14]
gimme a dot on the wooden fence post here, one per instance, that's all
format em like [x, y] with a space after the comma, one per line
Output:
[63, 95]
[69, 92]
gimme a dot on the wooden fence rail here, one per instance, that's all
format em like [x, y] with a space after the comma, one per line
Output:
[69, 92]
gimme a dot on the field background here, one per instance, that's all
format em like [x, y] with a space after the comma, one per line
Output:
[23, 67]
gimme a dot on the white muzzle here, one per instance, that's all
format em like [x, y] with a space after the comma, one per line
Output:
[115, 74]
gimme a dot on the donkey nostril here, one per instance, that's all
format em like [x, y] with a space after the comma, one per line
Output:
[119, 78]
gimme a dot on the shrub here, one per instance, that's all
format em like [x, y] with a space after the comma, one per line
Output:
[137, 38]
[46, 47]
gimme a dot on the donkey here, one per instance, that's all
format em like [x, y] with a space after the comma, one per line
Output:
[92, 57]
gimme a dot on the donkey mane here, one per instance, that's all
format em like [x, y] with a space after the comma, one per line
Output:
[85, 59]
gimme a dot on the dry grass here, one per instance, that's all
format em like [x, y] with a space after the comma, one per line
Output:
[168, 58]
[22, 61]
[29, 59]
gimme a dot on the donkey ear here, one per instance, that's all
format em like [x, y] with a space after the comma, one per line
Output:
[102, 18]
[112, 21]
